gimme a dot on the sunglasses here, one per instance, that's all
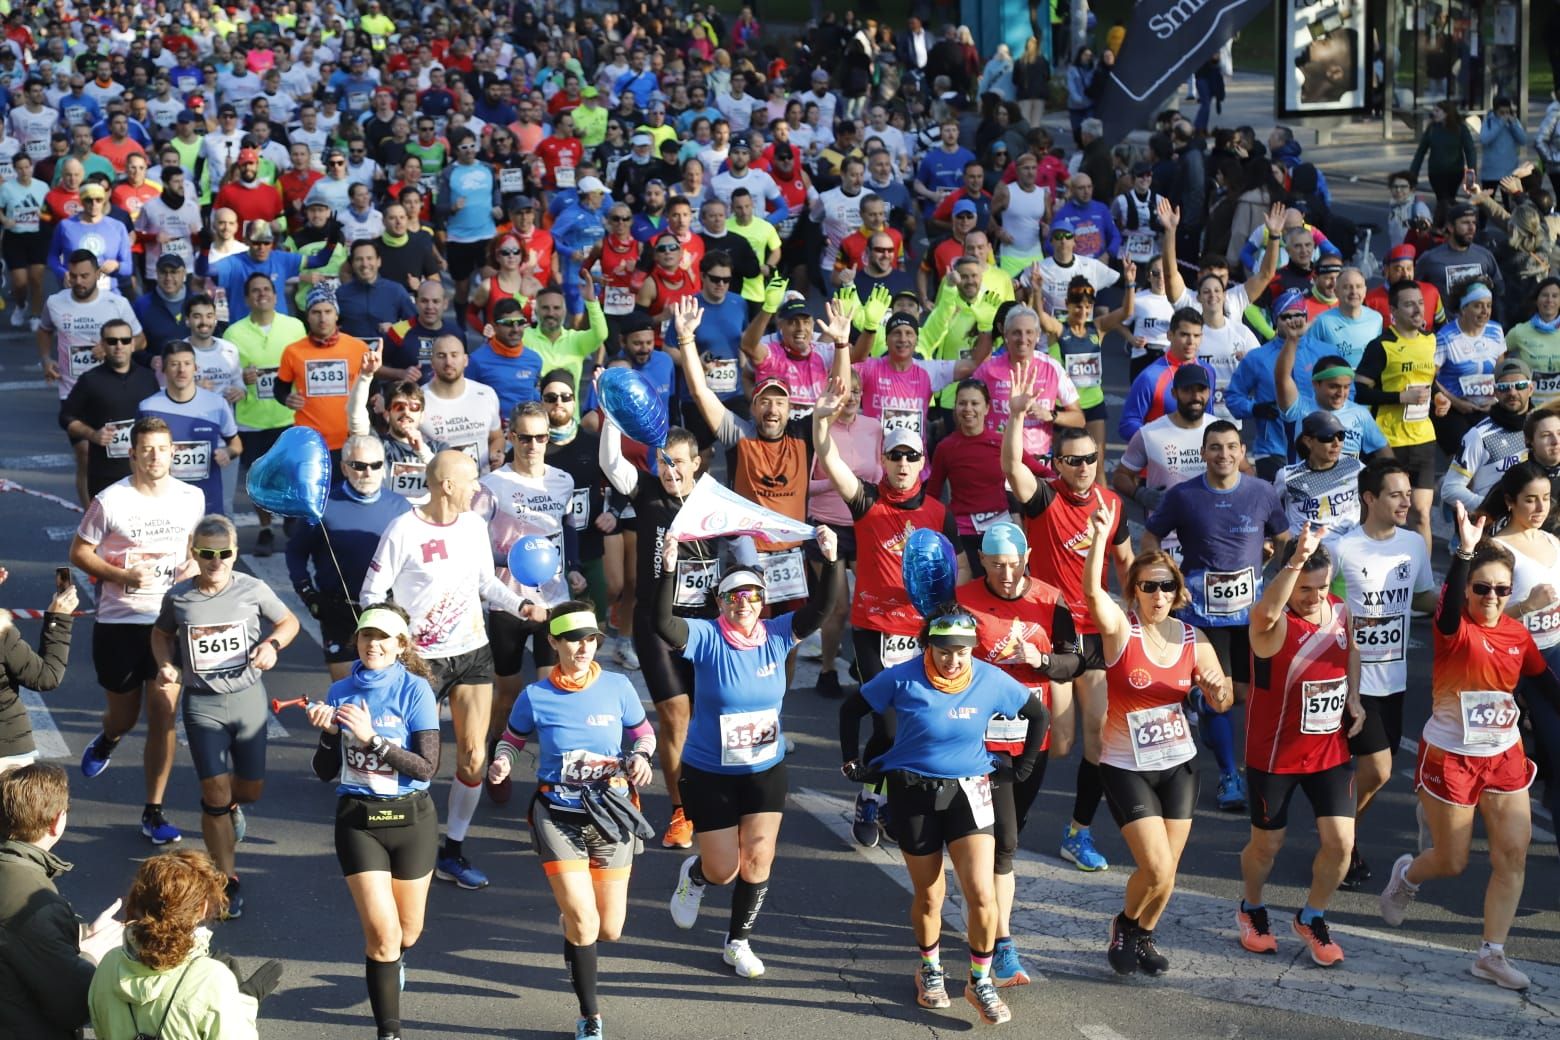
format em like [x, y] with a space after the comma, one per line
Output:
[118, 341]
[1293, 316]
[618, 219]
[1520, 384]
[882, 249]
[1080, 297]
[338, 162]
[529, 438]
[1151, 587]
[557, 398]
[1061, 234]
[718, 279]
[906, 455]
[1080, 460]
[1331, 438]
[406, 406]
[1484, 588]
[509, 322]
[740, 596]
[364, 467]
[509, 252]
[668, 248]
[230, 552]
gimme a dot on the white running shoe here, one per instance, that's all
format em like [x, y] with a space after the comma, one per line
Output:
[34, 323]
[18, 317]
[1493, 967]
[626, 656]
[1396, 897]
[810, 649]
[686, 897]
[740, 956]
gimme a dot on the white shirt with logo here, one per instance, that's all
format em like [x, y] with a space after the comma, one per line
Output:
[1380, 579]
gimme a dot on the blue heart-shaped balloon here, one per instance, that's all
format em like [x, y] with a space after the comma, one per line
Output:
[634, 406]
[930, 568]
[293, 478]
[533, 561]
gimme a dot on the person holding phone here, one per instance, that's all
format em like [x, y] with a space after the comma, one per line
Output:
[42, 670]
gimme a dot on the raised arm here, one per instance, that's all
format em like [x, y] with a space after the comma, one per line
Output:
[1108, 617]
[752, 346]
[1273, 223]
[1267, 624]
[1170, 219]
[686, 316]
[1019, 476]
[1285, 392]
[827, 407]
[1108, 323]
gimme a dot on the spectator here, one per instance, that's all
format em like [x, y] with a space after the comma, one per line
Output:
[997, 77]
[1448, 145]
[1097, 163]
[47, 955]
[1501, 141]
[42, 671]
[1032, 81]
[1080, 106]
[1406, 211]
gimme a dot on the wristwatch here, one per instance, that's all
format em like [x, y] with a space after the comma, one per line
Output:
[274, 644]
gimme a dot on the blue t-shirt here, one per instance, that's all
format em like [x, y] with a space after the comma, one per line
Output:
[579, 735]
[399, 704]
[735, 727]
[200, 426]
[942, 734]
[940, 169]
[515, 380]
[232, 272]
[659, 370]
[1332, 333]
[1222, 560]
[717, 338]
[473, 182]
[1361, 434]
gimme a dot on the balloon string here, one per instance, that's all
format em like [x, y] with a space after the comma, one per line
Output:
[700, 551]
[351, 600]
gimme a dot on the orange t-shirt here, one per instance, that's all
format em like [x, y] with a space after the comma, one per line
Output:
[324, 376]
[119, 152]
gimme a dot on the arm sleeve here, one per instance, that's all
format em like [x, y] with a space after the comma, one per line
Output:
[1454, 593]
[668, 625]
[1372, 363]
[852, 711]
[327, 756]
[1038, 716]
[1135, 408]
[421, 760]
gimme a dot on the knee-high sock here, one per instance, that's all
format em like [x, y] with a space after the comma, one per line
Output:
[384, 994]
[747, 899]
[463, 806]
[1218, 732]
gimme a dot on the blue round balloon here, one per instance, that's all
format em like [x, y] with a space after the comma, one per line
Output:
[534, 561]
[930, 568]
[634, 406]
[293, 478]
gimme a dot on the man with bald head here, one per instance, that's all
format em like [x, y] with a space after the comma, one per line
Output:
[436, 563]
[1094, 232]
[461, 412]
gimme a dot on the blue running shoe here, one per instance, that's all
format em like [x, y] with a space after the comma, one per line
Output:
[1006, 969]
[240, 824]
[588, 1028]
[456, 869]
[1078, 849]
[94, 760]
[1232, 793]
[865, 825]
[235, 898]
[155, 825]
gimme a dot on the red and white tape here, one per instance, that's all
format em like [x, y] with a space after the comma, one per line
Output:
[11, 485]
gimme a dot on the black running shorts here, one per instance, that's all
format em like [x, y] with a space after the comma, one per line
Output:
[1330, 792]
[473, 668]
[507, 639]
[1233, 645]
[1169, 794]
[926, 819]
[122, 656]
[1012, 801]
[407, 852]
[1383, 729]
[667, 672]
[716, 801]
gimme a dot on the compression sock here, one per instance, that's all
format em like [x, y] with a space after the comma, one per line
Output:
[696, 873]
[463, 806]
[1309, 913]
[1218, 732]
[980, 964]
[747, 899]
[1090, 791]
[384, 994]
[931, 956]
[151, 808]
[582, 976]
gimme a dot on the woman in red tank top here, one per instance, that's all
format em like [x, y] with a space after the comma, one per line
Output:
[506, 284]
[668, 281]
[1303, 708]
[1152, 660]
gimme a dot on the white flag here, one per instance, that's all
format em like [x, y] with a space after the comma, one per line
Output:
[715, 511]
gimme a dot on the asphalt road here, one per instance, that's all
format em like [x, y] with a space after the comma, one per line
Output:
[834, 931]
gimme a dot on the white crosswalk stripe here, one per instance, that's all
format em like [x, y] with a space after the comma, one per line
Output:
[37, 461]
[46, 735]
[1389, 981]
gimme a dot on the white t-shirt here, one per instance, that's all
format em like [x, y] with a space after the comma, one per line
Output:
[1380, 580]
[78, 327]
[1055, 278]
[840, 215]
[440, 574]
[217, 367]
[520, 507]
[463, 422]
[1151, 314]
[758, 183]
[1530, 572]
[1164, 454]
[130, 528]
[1222, 350]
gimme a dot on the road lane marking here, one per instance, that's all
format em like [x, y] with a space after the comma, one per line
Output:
[46, 735]
[1061, 918]
[38, 462]
[27, 384]
[1099, 1032]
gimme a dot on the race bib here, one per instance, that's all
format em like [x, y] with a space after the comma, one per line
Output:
[511, 180]
[409, 479]
[163, 565]
[1478, 387]
[119, 438]
[1140, 247]
[721, 375]
[357, 101]
[82, 361]
[428, 182]
[619, 299]
[1321, 705]
[894, 650]
[564, 175]
[218, 648]
[1380, 639]
[901, 419]
[220, 303]
[1544, 624]
[785, 578]
[977, 791]
[983, 522]
[696, 579]
[1085, 370]
[179, 247]
[1417, 412]
[1546, 385]
[1229, 592]
[1003, 730]
[265, 384]
[582, 767]
[364, 768]
[473, 452]
[325, 377]
[749, 738]
[579, 508]
[26, 221]
[191, 461]
[1489, 717]
[37, 148]
[1161, 737]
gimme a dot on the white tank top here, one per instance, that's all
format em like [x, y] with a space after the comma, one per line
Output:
[1022, 219]
[1543, 623]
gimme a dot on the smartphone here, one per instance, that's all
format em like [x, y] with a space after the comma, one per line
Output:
[1470, 180]
[62, 579]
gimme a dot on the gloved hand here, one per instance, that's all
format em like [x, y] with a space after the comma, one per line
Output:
[856, 771]
[985, 309]
[1022, 768]
[310, 596]
[774, 293]
[264, 981]
[1266, 410]
[847, 297]
[875, 310]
